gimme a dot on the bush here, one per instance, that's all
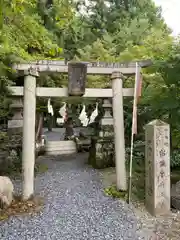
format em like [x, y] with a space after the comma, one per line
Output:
[175, 159]
[11, 164]
[139, 154]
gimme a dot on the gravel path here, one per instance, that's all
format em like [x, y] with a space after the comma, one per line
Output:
[75, 207]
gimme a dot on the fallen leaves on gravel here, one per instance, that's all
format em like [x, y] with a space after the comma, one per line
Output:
[19, 207]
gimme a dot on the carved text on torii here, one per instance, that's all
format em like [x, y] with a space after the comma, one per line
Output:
[92, 64]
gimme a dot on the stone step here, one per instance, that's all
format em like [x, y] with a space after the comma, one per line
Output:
[60, 147]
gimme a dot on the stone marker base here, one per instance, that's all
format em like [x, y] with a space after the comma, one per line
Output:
[60, 147]
[101, 154]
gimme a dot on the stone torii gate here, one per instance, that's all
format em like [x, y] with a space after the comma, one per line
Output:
[32, 70]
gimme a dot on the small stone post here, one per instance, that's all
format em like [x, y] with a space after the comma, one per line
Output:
[157, 169]
[28, 153]
[118, 116]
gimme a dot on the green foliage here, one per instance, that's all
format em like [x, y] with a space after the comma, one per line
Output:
[139, 155]
[23, 34]
[175, 159]
[4, 101]
[12, 164]
[112, 191]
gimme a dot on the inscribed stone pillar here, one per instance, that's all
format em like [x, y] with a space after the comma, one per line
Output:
[157, 161]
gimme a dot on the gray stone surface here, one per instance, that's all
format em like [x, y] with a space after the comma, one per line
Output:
[75, 207]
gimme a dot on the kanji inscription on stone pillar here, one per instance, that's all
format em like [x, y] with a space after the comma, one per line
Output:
[157, 161]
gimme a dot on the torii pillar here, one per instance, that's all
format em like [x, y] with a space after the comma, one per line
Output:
[29, 115]
[118, 116]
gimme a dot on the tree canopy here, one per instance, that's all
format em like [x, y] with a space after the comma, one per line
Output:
[97, 30]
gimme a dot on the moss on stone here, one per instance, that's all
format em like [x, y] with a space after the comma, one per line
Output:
[114, 192]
